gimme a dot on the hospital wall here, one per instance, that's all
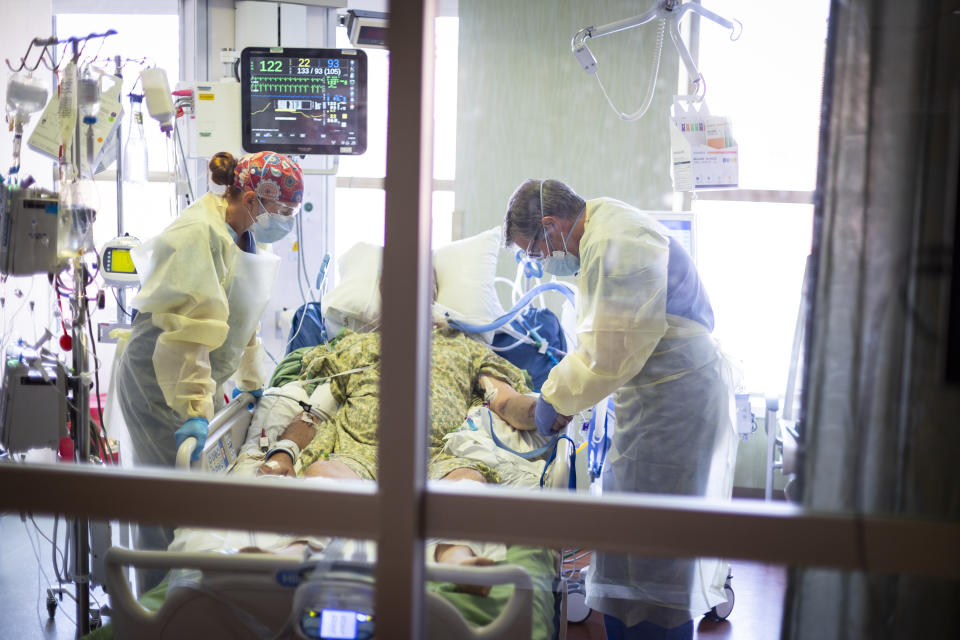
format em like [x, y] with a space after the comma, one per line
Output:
[527, 110]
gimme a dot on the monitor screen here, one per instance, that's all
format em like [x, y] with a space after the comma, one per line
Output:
[117, 260]
[304, 101]
[681, 227]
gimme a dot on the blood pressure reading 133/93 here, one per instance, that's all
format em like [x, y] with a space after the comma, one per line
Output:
[308, 100]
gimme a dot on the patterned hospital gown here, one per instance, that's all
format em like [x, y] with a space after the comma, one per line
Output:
[351, 436]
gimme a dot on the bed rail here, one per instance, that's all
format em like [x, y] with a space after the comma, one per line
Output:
[227, 432]
[443, 619]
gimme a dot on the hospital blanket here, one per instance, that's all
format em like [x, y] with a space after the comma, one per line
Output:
[289, 368]
[352, 364]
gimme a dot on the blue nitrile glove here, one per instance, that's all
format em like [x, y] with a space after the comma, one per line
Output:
[193, 428]
[544, 417]
[256, 393]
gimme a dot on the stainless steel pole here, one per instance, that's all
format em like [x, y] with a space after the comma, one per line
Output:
[81, 401]
[121, 292]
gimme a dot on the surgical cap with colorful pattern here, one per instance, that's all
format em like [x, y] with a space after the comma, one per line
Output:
[270, 175]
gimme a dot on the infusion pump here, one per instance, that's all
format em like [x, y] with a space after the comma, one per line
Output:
[28, 231]
[33, 401]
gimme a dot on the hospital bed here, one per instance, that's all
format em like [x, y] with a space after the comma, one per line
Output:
[238, 595]
[529, 596]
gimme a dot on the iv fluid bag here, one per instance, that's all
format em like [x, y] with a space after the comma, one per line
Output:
[88, 96]
[25, 96]
[67, 111]
[78, 210]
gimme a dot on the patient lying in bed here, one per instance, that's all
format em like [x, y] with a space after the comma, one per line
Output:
[463, 373]
[346, 445]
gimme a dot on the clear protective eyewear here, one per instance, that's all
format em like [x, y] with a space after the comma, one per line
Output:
[278, 207]
[532, 252]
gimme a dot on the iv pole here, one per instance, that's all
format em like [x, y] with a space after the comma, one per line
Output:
[81, 410]
[121, 295]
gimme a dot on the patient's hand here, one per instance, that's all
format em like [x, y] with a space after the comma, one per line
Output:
[463, 556]
[279, 464]
[514, 407]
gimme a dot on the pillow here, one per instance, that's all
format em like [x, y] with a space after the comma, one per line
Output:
[466, 270]
[355, 302]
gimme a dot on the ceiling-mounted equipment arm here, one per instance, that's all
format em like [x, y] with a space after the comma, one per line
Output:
[682, 50]
[579, 42]
[664, 11]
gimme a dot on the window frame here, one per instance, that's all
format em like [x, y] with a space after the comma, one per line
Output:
[404, 510]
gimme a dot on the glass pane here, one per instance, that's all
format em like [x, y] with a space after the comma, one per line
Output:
[769, 82]
[360, 218]
[305, 583]
[484, 580]
[751, 257]
[373, 163]
[445, 100]
[141, 40]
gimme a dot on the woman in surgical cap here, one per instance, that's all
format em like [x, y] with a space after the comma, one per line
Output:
[643, 337]
[203, 289]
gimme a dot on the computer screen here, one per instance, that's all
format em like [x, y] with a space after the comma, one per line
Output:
[681, 227]
[304, 101]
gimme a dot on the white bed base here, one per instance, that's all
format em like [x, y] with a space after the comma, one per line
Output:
[248, 581]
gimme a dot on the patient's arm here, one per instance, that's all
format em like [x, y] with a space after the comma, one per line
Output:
[280, 463]
[515, 408]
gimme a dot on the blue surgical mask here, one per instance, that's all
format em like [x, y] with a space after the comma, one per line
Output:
[271, 227]
[560, 263]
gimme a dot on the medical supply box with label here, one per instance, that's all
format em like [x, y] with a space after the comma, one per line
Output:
[704, 154]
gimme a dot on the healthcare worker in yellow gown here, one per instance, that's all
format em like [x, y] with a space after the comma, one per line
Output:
[643, 335]
[203, 289]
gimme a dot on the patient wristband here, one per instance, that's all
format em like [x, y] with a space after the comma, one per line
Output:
[289, 447]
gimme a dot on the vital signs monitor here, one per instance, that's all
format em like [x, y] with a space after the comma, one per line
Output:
[304, 101]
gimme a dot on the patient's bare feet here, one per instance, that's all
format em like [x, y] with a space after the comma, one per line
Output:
[463, 556]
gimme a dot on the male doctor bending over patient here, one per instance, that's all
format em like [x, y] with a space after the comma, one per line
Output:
[643, 334]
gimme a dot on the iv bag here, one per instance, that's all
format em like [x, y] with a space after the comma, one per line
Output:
[88, 96]
[25, 96]
[78, 210]
[67, 109]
